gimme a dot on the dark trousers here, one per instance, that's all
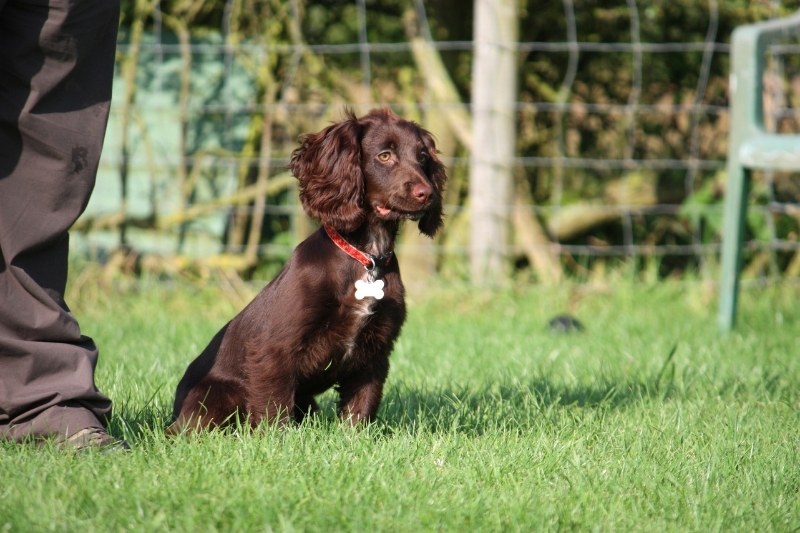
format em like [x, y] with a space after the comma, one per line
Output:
[56, 68]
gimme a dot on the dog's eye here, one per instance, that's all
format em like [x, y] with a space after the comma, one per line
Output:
[385, 156]
[422, 158]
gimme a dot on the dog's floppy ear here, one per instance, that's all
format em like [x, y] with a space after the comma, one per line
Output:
[328, 166]
[431, 221]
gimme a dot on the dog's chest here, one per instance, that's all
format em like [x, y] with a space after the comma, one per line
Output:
[360, 310]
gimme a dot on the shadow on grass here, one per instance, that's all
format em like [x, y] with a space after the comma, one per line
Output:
[515, 404]
[493, 406]
[502, 406]
[136, 420]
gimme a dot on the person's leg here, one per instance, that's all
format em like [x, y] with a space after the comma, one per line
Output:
[56, 70]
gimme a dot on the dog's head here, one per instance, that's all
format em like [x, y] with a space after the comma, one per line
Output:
[378, 166]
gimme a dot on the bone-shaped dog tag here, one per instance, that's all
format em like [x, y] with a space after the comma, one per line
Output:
[366, 289]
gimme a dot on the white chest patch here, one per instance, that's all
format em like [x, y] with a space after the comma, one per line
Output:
[368, 291]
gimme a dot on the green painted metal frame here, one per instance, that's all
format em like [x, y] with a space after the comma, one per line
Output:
[750, 146]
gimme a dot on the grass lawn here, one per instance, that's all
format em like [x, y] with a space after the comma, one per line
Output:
[649, 420]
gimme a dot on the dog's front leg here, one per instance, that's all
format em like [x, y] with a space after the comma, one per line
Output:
[360, 404]
[274, 410]
[273, 403]
[360, 395]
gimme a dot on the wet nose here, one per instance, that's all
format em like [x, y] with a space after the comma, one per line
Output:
[421, 192]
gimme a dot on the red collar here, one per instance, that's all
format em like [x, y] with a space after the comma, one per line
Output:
[372, 263]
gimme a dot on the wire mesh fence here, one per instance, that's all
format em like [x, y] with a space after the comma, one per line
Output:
[621, 124]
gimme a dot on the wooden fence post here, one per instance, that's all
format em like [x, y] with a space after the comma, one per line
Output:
[494, 89]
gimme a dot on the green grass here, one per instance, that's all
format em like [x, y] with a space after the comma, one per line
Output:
[647, 421]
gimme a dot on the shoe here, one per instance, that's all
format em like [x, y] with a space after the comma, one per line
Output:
[93, 438]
